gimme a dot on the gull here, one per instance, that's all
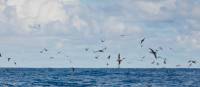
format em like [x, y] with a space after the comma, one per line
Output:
[15, 63]
[164, 62]
[141, 42]
[119, 60]
[108, 57]
[9, 59]
[45, 49]
[192, 62]
[153, 52]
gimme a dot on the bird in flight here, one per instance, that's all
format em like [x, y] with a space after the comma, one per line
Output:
[86, 49]
[9, 59]
[141, 42]
[153, 52]
[108, 57]
[119, 60]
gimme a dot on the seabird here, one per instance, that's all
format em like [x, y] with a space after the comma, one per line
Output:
[0, 55]
[119, 60]
[141, 42]
[108, 57]
[51, 57]
[153, 52]
[9, 59]
[86, 49]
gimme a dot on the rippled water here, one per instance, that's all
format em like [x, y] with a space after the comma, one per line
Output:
[27, 77]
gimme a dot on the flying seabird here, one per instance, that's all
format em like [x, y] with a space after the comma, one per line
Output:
[141, 42]
[153, 52]
[9, 59]
[119, 60]
[86, 49]
[108, 57]
[51, 57]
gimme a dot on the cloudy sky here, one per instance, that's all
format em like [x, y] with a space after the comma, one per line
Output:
[70, 26]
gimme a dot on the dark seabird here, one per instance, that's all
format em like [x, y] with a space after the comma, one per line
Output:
[45, 49]
[58, 52]
[15, 63]
[119, 60]
[0, 55]
[9, 59]
[165, 61]
[153, 52]
[102, 41]
[86, 49]
[107, 64]
[108, 57]
[141, 42]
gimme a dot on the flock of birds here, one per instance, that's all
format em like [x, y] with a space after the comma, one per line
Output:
[119, 58]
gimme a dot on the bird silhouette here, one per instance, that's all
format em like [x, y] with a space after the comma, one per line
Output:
[109, 57]
[0, 55]
[119, 60]
[153, 52]
[86, 49]
[9, 59]
[141, 42]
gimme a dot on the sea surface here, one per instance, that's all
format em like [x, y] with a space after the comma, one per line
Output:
[87, 77]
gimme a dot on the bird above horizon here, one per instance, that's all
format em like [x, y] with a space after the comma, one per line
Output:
[141, 42]
[119, 60]
[153, 52]
[9, 59]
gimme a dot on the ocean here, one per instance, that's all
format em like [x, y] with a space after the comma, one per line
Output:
[99, 77]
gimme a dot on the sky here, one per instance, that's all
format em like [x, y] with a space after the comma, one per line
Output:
[70, 26]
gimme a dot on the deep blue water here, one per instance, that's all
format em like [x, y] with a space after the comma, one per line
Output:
[29, 77]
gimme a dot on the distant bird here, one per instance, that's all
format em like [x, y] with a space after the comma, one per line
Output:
[15, 63]
[107, 64]
[165, 61]
[119, 60]
[178, 65]
[58, 52]
[191, 62]
[160, 48]
[41, 51]
[51, 57]
[96, 57]
[153, 52]
[101, 51]
[152, 62]
[45, 49]
[141, 42]
[86, 49]
[9, 59]
[0, 55]
[123, 35]
[108, 57]
[102, 41]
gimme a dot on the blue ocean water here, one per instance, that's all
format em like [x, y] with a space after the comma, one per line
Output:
[62, 77]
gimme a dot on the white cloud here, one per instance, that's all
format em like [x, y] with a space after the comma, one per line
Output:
[192, 40]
